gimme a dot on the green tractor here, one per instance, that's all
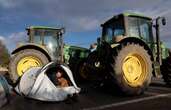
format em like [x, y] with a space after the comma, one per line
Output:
[45, 44]
[128, 55]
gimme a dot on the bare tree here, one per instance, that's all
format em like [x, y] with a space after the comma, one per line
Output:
[4, 55]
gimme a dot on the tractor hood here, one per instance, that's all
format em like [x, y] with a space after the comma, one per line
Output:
[28, 45]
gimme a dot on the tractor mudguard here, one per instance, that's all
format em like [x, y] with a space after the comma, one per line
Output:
[138, 41]
[33, 46]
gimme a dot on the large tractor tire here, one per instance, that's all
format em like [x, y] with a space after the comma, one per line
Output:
[166, 70]
[23, 60]
[131, 69]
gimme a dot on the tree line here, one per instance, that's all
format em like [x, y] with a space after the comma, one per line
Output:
[4, 55]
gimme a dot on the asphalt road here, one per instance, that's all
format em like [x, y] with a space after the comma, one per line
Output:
[157, 97]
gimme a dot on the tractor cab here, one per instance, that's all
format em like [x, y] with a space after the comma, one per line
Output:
[50, 38]
[137, 28]
[127, 25]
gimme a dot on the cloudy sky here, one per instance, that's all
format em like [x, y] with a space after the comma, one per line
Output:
[81, 18]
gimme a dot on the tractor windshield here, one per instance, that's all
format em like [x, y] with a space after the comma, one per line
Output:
[51, 39]
[113, 30]
[53, 42]
[139, 27]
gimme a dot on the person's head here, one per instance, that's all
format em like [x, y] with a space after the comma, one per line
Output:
[59, 73]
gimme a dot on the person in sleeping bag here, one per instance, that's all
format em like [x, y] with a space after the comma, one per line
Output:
[61, 80]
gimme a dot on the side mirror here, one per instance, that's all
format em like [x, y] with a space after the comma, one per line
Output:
[62, 30]
[164, 21]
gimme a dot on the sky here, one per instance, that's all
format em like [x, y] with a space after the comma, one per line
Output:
[81, 18]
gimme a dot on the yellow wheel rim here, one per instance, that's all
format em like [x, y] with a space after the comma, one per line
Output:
[26, 63]
[134, 69]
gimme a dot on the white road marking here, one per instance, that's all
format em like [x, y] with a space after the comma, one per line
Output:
[129, 102]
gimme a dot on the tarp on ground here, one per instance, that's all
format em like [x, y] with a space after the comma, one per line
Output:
[37, 83]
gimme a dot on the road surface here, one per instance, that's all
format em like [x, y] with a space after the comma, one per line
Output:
[157, 97]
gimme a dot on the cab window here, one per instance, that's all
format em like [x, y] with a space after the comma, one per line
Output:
[113, 30]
